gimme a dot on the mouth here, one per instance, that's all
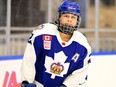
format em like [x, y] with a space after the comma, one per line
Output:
[68, 25]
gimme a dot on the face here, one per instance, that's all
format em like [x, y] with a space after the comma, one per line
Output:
[68, 19]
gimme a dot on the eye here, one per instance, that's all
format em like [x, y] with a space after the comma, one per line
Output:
[74, 17]
[66, 16]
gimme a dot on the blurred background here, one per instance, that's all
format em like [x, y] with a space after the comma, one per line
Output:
[19, 17]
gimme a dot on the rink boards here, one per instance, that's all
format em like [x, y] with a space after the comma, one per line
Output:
[102, 71]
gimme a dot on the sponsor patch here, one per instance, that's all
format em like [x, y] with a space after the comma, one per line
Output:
[47, 45]
[47, 41]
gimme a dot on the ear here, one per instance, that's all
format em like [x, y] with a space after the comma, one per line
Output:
[57, 22]
[79, 21]
[59, 19]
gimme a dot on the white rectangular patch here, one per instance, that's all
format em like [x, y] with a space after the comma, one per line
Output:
[47, 45]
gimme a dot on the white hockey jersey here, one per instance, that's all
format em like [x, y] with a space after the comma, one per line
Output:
[48, 61]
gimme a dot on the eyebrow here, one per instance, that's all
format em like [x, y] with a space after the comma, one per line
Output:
[69, 13]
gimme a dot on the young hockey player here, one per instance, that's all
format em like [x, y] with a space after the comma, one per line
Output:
[57, 55]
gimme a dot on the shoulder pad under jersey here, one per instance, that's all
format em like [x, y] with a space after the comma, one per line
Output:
[46, 28]
[81, 39]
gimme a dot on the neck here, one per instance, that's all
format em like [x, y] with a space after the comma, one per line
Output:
[65, 37]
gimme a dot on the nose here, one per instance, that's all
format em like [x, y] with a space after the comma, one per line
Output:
[69, 20]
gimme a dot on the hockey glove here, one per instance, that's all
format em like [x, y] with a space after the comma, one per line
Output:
[62, 85]
[26, 84]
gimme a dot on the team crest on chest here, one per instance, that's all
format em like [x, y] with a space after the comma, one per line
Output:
[56, 66]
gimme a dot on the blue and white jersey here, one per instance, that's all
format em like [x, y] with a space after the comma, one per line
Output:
[48, 61]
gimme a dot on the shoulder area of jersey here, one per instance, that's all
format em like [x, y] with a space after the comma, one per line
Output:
[80, 38]
[79, 35]
[46, 26]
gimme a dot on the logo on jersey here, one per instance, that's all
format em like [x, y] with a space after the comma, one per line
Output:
[30, 39]
[47, 45]
[56, 66]
[47, 41]
[40, 26]
[47, 37]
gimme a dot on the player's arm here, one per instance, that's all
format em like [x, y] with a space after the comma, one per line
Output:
[28, 62]
[79, 76]
[62, 85]
[26, 84]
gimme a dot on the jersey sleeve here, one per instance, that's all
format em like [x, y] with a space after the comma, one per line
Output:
[79, 76]
[29, 58]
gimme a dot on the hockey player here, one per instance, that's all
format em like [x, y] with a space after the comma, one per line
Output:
[57, 55]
